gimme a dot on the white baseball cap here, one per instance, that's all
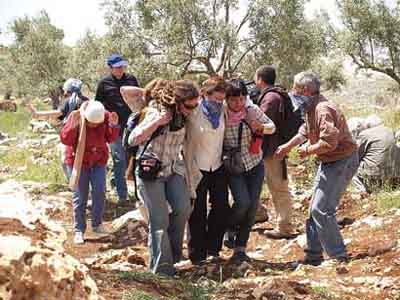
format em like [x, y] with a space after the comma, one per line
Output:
[94, 112]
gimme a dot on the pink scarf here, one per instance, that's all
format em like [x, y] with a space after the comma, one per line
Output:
[234, 118]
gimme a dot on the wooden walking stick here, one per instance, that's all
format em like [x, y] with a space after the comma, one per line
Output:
[80, 150]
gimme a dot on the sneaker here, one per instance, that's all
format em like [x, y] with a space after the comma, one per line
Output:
[100, 229]
[239, 257]
[78, 238]
[277, 235]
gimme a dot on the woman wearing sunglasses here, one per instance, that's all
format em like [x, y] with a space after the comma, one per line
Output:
[160, 170]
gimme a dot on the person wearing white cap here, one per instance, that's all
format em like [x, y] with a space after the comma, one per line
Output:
[108, 93]
[87, 154]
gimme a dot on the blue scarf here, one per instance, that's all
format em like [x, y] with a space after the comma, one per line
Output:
[212, 110]
[302, 102]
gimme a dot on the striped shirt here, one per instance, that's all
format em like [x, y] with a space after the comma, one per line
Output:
[167, 146]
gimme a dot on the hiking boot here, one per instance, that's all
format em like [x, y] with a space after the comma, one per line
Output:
[239, 257]
[277, 235]
[78, 238]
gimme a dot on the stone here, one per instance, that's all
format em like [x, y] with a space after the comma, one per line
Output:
[40, 126]
[33, 264]
[302, 241]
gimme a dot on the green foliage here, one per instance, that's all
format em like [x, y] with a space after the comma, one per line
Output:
[190, 38]
[137, 295]
[14, 123]
[186, 291]
[24, 168]
[387, 199]
[35, 62]
[331, 71]
[285, 38]
[371, 35]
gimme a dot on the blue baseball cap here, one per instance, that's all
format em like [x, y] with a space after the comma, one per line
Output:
[116, 61]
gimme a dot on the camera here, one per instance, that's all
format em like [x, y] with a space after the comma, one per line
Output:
[252, 89]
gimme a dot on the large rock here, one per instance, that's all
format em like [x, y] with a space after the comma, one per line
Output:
[33, 264]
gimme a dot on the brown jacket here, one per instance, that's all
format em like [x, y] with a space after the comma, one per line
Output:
[326, 125]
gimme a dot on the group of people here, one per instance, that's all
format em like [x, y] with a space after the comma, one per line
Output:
[195, 144]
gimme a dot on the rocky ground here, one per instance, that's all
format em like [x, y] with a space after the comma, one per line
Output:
[39, 261]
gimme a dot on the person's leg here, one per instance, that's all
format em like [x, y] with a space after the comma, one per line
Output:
[254, 181]
[154, 196]
[119, 168]
[178, 197]
[98, 183]
[334, 177]
[198, 223]
[240, 207]
[219, 215]
[281, 198]
[79, 201]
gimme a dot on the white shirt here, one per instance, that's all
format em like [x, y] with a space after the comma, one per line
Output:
[208, 141]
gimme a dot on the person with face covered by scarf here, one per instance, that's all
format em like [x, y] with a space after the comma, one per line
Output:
[330, 139]
[207, 178]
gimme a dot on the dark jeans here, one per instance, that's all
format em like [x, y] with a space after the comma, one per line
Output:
[207, 232]
[246, 190]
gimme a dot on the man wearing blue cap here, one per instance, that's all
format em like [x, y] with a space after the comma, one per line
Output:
[108, 93]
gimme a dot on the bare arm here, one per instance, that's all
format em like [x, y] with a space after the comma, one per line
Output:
[284, 149]
[133, 97]
[48, 114]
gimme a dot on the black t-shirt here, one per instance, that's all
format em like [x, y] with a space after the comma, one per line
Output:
[109, 94]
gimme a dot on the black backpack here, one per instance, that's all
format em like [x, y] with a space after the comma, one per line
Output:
[290, 120]
[133, 120]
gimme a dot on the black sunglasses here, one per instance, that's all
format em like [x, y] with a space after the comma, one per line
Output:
[190, 107]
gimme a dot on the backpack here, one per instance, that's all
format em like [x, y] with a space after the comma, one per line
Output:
[134, 119]
[290, 120]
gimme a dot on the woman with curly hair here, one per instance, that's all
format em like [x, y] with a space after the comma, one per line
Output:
[161, 169]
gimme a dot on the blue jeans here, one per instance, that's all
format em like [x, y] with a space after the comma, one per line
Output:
[118, 155]
[321, 228]
[166, 229]
[96, 177]
[246, 190]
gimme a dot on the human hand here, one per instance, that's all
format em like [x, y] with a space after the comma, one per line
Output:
[257, 126]
[282, 151]
[113, 119]
[164, 118]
